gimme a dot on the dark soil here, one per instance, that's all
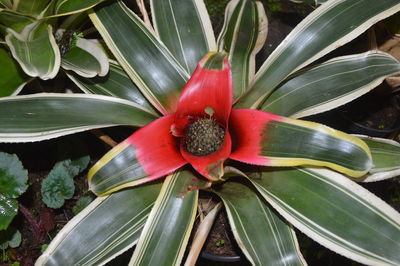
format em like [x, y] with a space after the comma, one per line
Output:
[374, 111]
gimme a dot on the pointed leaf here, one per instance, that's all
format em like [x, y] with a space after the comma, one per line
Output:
[261, 234]
[271, 140]
[50, 115]
[116, 83]
[328, 27]
[86, 59]
[144, 58]
[185, 28]
[385, 157]
[242, 37]
[167, 230]
[331, 84]
[103, 230]
[12, 78]
[149, 153]
[36, 50]
[334, 211]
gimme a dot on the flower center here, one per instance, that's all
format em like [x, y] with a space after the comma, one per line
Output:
[204, 137]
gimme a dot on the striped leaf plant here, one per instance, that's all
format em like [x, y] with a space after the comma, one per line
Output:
[37, 39]
[205, 117]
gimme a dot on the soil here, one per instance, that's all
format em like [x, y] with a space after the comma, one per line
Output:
[377, 112]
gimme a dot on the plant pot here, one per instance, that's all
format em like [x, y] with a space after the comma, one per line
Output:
[220, 258]
[220, 246]
[372, 115]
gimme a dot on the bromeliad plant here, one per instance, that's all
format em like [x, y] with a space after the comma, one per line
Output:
[37, 39]
[201, 140]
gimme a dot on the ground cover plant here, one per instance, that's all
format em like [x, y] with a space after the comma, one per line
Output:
[207, 117]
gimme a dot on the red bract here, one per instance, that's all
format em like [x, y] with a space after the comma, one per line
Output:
[164, 145]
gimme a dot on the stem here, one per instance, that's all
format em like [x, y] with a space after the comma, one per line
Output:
[36, 228]
[103, 137]
[143, 10]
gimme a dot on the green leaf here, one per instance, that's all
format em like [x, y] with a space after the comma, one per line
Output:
[13, 20]
[331, 84]
[68, 7]
[116, 83]
[144, 58]
[11, 237]
[12, 78]
[31, 7]
[261, 234]
[106, 228]
[36, 50]
[167, 230]
[43, 247]
[385, 157]
[13, 179]
[57, 187]
[74, 22]
[334, 211]
[8, 209]
[49, 115]
[281, 141]
[86, 59]
[328, 27]
[185, 29]
[81, 204]
[13, 176]
[242, 37]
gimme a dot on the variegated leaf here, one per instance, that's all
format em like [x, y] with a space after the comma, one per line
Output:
[385, 157]
[116, 83]
[328, 27]
[261, 234]
[185, 28]
[49, 115]
[106, 228]
[167, 230]
[242, 37]
[334, 211]
[36, 50]
[87, 59]
[331, 84]
[144, 58]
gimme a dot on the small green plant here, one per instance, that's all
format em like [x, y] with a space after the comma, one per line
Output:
[57, 187]
[220, 243]
[43, 247]
[81, 204]
[10, 238]
[13, 182]
[274, 5]
[59, 184]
